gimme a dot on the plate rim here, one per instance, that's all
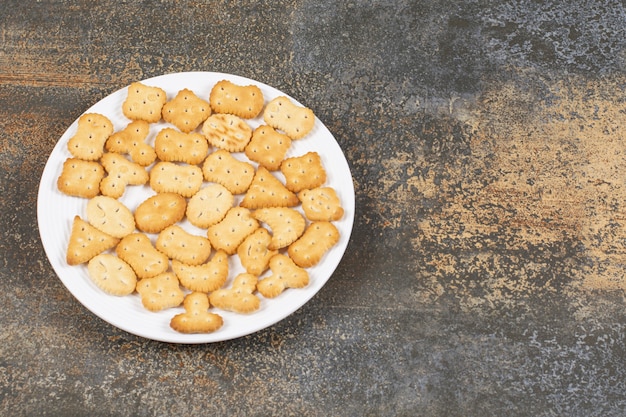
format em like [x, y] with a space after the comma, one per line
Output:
[180, 338]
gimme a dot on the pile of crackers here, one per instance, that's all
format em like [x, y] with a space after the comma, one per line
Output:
[209, 167]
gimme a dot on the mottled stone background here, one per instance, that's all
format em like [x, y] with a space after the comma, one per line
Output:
[485, 274]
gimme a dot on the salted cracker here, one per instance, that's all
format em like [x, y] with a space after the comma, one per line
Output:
[112, 275]
[138, 251]
[240, 297]
[227, 131]
[80, 178]
[120, 173]
[228, 234]
[170, 177]
[160, 292]
[160, 211]
[132, 141]
[285, 274]
[110, 215]
[207, 277]
[196, 318]
[177, 243]
[245, 101]
[223, 168]
[92, 132]
[316, 240]
[303, 172]
[172, 145]
[254, 252]
[268, 147]
[186, 111]
[286, 225]
[144, 102]
[282, 114]
[321, 204]
[209, 205]
[86, 242]
[267, 191]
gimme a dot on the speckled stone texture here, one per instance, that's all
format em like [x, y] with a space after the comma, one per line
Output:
[485, 275]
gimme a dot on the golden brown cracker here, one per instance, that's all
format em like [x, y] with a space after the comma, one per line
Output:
[196, 318]
[172, 145]
[110, 216]
[112, 275]
[91, 134]
[132, 141]
[227, 131]
[303, 172]
[286, 224]
[243, 101]
[138, 251]
[80, 178]
[177, 243]
[121, 173]
[240, 297]
[223, 168]
[86, 242]
[160, 211]
[209, 205]
[254, 252]
[170, 177]
[316, 240]
[207, 277]
[232, 230]
[282, 114]
[321, 204]
[144, 102]
[267, 191]
[160, 292]
[285, 274]
[186, 111]
[268, 147]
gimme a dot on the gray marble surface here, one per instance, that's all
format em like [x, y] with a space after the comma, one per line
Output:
[485, 272]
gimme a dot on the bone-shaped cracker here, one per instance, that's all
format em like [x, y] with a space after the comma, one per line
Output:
[131, 141]
[121, 173]
[196, 318]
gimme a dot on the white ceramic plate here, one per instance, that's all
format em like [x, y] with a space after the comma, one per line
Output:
[56, 210]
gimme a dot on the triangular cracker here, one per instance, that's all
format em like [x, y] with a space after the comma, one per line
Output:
[86, 242]
[267, 191]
